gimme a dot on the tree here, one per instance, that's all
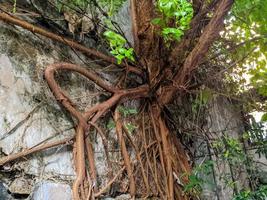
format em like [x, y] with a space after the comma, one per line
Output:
[171, 41]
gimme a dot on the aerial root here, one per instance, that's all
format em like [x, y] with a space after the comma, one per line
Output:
[155, 151]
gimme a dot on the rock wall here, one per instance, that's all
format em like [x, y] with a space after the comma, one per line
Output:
[29, 115]
[224, 119]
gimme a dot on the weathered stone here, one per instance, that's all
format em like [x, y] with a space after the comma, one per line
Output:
[121, 197]
[3, 193]
[123, 18]
[51, 191]
[21, 186]
[29, 113]
[224, 118]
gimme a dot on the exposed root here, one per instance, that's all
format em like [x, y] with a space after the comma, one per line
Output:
[159, 154]
[80, 162]
[134, 26]
[89, 52]
[124, 152]
[26, 152]
[84, 123]
[104, 189]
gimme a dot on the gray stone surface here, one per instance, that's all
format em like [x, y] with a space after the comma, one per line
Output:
[224, 117]
[51, 191]
[121, 197]
[29, 114]
[3, 193]
[123, 19]
[18, 129]
[21, 185]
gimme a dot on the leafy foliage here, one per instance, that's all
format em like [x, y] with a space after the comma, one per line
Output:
[81, 4]
[111, 5]
[248, 23]
[179, 11]
[260, 194]
[201, 99]
[259, 78]
[117, 44]
[257, 136]
[196, 181]
[127, 111]
[243, 50]
[230, 149]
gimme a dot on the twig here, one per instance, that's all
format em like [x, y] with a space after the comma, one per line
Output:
[12, 130]
[110, 183]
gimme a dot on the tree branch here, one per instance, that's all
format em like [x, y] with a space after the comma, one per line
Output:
[210, 34]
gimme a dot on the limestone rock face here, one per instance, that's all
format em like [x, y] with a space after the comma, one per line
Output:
[51, 191]
[24, 120]
[123, 18]
[20, 186]
[3, 193]
[224, 117]
[29, 114]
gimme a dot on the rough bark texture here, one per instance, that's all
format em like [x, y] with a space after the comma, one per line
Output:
[161, 158]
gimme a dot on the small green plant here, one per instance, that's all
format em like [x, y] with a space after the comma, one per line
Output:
[178, 13]
[14, 6]
[196, 180]
[229, 149]
[111, 124]
[130, 127]
[127, 111]
[112, 5]
[260, 194]
[118, 47]
[67, 4]
[201, 100]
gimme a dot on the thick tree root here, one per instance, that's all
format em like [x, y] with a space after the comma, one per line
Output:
[160, 156]
[89, 117]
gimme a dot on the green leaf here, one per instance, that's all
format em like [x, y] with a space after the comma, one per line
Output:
[264, 117]
[127, 111]
[111, 124]
[130, 127]
[179, 11]
[158, 21]
[117, 44]
[172, 33]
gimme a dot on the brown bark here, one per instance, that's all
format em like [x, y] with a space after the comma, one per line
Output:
[124, 152]
[165, 159]
[209, 35]
[92, 114]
